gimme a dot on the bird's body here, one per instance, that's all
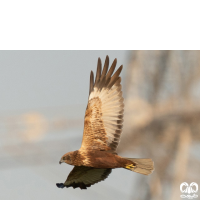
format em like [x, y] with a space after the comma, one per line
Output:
[97, 159]
[102, 130]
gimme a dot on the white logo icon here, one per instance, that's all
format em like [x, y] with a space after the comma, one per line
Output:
[189, 190]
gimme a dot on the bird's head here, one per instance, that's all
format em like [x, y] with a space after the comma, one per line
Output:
[67, 158]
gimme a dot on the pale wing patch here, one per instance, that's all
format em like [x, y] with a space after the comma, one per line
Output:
[84, 177]
[112, 109]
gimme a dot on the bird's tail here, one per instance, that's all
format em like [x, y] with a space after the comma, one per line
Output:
[140, 165]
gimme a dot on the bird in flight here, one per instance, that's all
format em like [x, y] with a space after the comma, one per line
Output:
[96, 158]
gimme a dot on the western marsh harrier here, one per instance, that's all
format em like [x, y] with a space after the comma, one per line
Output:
[96, 158]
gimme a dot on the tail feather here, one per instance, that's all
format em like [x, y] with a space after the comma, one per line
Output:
[141, 165]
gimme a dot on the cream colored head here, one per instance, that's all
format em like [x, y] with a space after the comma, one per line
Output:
[67, 158]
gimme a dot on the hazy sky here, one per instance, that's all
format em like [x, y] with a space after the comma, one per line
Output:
[32, 79]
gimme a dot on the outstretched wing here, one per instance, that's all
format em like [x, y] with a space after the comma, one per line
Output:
[104, 114]
[84, 177]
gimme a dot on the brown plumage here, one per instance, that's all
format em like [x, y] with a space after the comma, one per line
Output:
[102, 129]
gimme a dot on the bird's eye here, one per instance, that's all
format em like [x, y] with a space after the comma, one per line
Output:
[68, 157]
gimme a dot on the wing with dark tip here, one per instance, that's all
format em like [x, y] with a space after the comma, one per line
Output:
[104, 114]
[84, 177]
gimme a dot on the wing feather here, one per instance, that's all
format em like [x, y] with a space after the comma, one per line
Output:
[104, 114]
[98, 74]
[91, 82]
[84, 177]
[105, 68]
[111, 70]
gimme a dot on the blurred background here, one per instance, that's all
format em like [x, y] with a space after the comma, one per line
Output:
[43, 100]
